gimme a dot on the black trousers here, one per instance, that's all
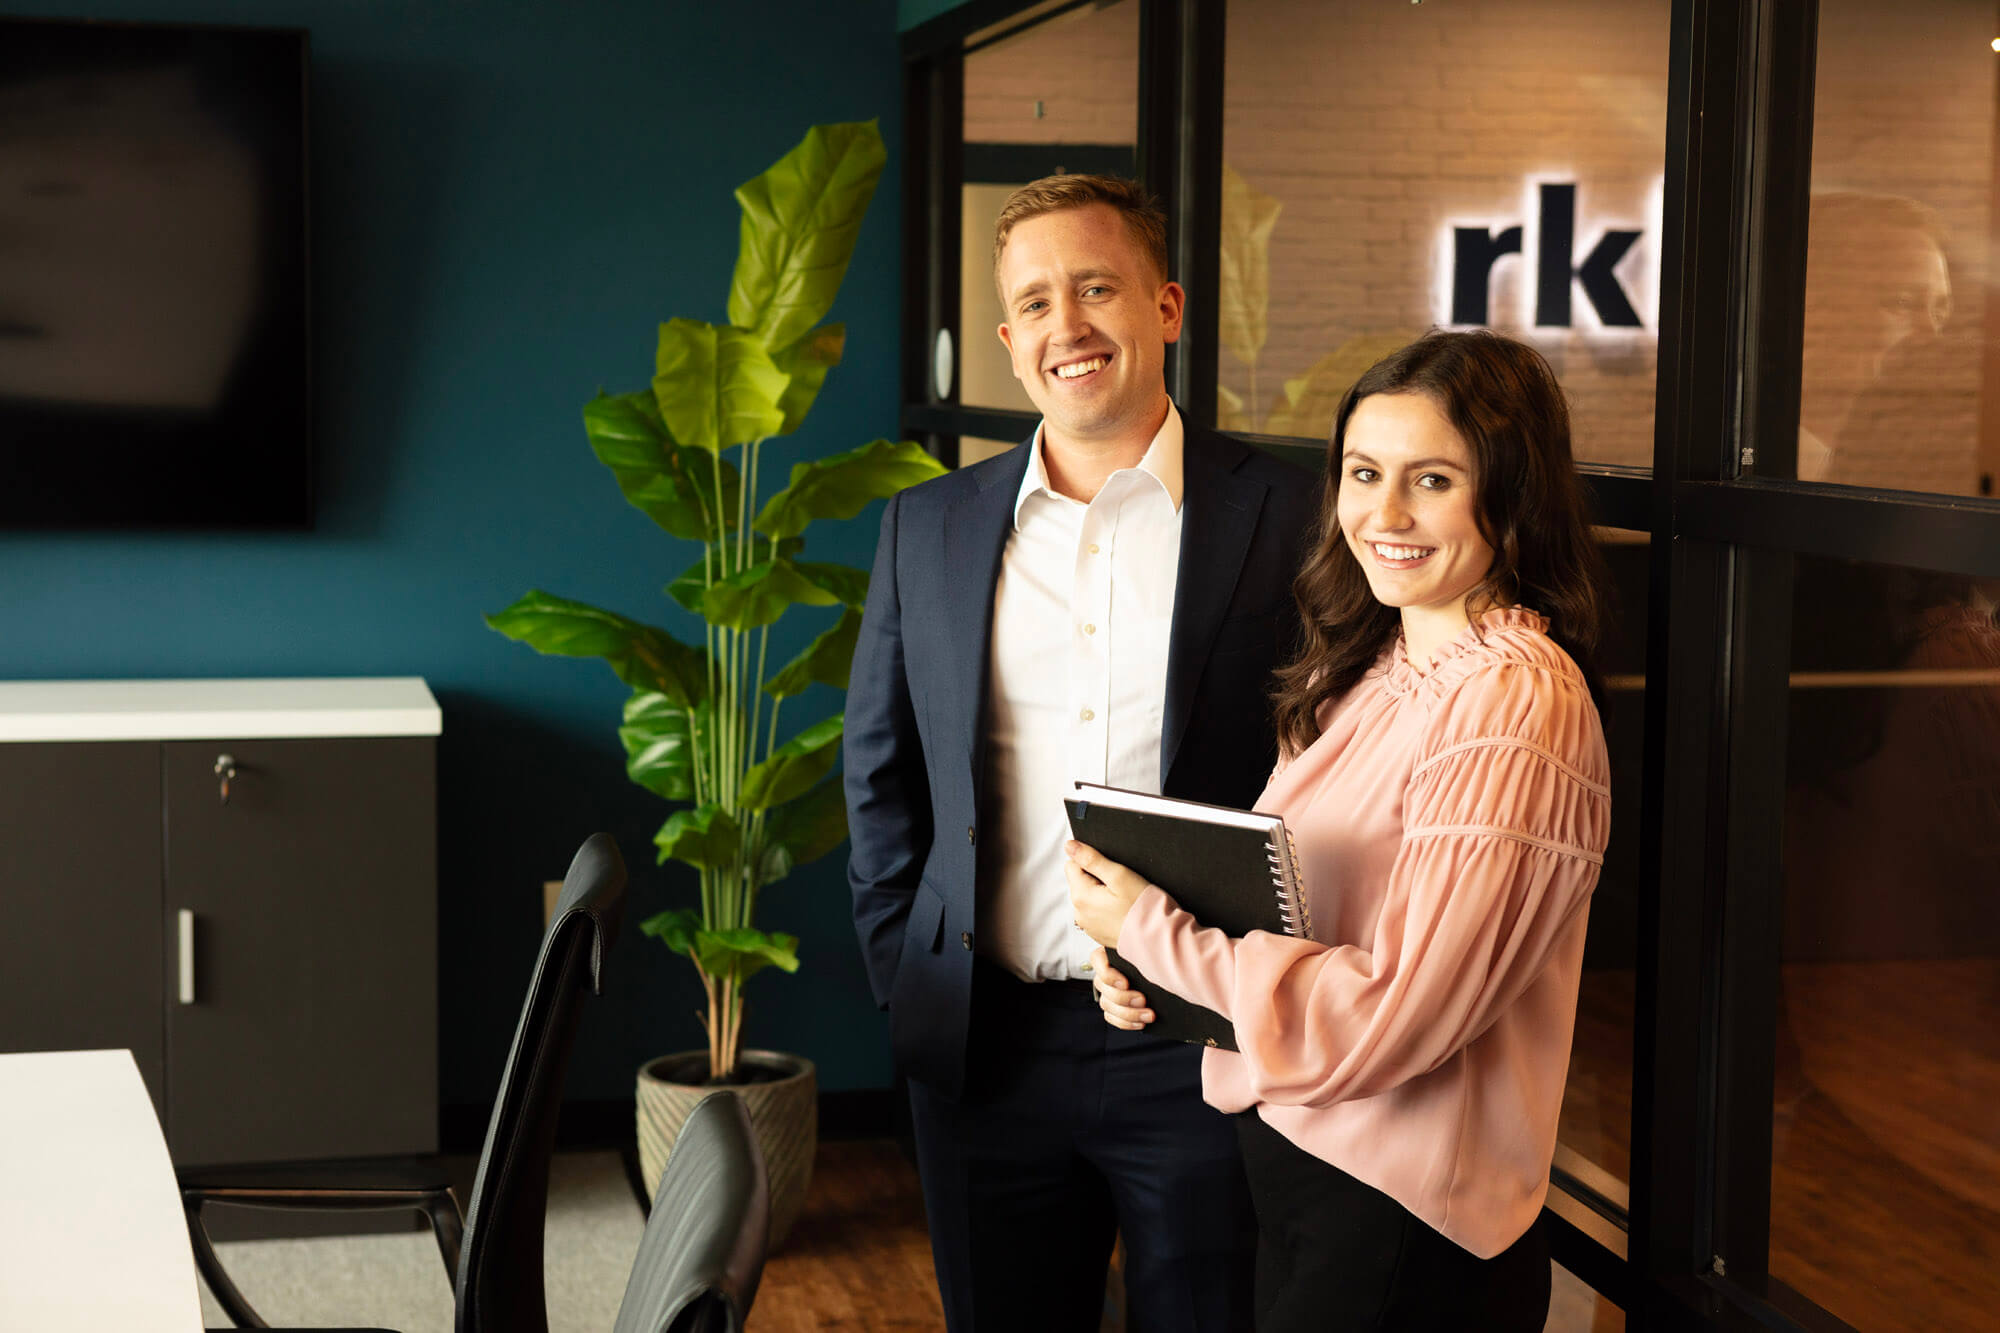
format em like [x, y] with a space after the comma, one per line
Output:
[1070, 1131]
[1334, 1255]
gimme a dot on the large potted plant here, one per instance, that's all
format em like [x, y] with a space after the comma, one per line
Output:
[701, 725]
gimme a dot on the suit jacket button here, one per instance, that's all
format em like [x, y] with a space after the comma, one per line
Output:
[971, 834]
[1209, 1040]
[965, 938]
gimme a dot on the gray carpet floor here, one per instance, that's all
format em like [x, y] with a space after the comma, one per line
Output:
[398, 1282]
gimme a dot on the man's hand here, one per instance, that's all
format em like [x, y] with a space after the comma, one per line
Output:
[1100, 890]
[1122, 1008]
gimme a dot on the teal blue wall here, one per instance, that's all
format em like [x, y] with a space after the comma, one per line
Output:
[507, 199]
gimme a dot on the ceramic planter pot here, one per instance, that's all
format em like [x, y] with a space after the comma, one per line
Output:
[784, 1113]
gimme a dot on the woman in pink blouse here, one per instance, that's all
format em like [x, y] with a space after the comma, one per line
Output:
[1443, 772]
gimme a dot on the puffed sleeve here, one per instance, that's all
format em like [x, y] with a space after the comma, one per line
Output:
[1506, 818]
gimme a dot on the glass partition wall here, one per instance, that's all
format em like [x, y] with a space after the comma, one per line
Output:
[1755, 241]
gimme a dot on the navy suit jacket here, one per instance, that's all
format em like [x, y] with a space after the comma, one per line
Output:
[914, 768]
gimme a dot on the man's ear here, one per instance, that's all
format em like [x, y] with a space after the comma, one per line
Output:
[1007, 340]
[1173, 302]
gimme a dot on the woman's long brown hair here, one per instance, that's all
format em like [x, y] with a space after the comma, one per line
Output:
[1504, 402]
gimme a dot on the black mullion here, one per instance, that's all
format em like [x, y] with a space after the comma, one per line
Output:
[1620, 497]
[1950, 534]
[1156, 152]
[933, 165]
[1778, 183]
[989, 423]
[1780, 190]
[1583, 1255]
[1180, 154]
[1752, 915]
[1694, 421]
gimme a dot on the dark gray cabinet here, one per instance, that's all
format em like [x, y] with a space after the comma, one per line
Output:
[82, 962]
[270, 960]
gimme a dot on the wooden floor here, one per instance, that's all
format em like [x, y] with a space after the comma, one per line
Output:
[1885, 1180]
[858, 1258]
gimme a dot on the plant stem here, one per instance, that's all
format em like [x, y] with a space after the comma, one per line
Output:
[732, 1042]
[709, 1019]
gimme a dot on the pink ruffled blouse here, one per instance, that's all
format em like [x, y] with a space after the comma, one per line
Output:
[1450, 826]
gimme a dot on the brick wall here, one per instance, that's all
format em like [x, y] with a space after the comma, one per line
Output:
[1904, 106]
[1082, 67]
[1378, 127]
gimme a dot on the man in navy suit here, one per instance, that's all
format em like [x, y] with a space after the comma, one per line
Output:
[1104, 603]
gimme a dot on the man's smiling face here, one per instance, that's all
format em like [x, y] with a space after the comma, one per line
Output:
[1088, 323]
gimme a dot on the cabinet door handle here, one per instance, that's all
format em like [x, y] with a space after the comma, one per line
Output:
[187, 956]
[225, 769]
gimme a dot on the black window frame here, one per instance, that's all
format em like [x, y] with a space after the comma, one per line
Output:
[1738, 156]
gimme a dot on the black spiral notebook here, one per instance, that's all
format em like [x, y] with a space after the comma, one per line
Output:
[1235, 870]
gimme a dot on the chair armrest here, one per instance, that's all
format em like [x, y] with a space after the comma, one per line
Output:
[370, 1185]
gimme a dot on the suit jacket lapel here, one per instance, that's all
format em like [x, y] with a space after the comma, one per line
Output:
[975, 536]
[1218, 517]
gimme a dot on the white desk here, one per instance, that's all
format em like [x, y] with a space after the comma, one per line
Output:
[91, 1230]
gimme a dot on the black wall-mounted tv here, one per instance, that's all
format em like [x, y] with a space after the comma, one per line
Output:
[154, 348]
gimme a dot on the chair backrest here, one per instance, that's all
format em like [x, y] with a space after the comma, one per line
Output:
[499, 1286]
[703, 1251]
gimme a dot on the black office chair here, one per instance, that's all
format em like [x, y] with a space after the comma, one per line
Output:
[703, 1252]
[495, 1256]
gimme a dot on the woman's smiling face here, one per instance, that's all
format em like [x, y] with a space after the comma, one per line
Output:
[1408, 507]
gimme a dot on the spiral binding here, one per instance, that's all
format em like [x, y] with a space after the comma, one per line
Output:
[1292, 904]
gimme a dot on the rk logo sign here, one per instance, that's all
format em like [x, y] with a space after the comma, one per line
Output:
[1558, 271]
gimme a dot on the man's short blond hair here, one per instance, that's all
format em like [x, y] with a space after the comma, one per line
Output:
[1143, 216]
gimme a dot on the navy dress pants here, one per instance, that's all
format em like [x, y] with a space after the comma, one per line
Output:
[1070, 1131]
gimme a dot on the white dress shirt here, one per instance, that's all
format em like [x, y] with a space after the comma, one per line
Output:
[1081, 618]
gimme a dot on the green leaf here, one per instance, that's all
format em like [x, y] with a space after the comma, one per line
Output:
[1248, 216]
[800, 221]
[705, 837]
[848, 584]
[826, 660]
[689, 588]
[742, 953]
[644, 658]
[840, 485]
[793, 767]
[716, 386]
[804, 830]
[659, 743]
[671, 484]
[759, 595]
[807, 361]
[676, 929]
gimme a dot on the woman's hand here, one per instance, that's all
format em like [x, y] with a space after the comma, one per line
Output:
[1122, 1008]
[1100, 890]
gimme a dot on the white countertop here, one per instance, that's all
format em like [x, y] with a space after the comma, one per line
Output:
[91, 1230]
[173, 710]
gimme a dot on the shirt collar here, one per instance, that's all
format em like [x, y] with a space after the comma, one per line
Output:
[1162, 462]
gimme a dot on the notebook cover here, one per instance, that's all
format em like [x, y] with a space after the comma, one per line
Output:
[1220, 874]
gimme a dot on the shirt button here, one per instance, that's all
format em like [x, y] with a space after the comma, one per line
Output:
[1085, 969]
[965, 938]
[1209, 1041]
[1090, 629]
[1093, 548]
[1086, 715]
